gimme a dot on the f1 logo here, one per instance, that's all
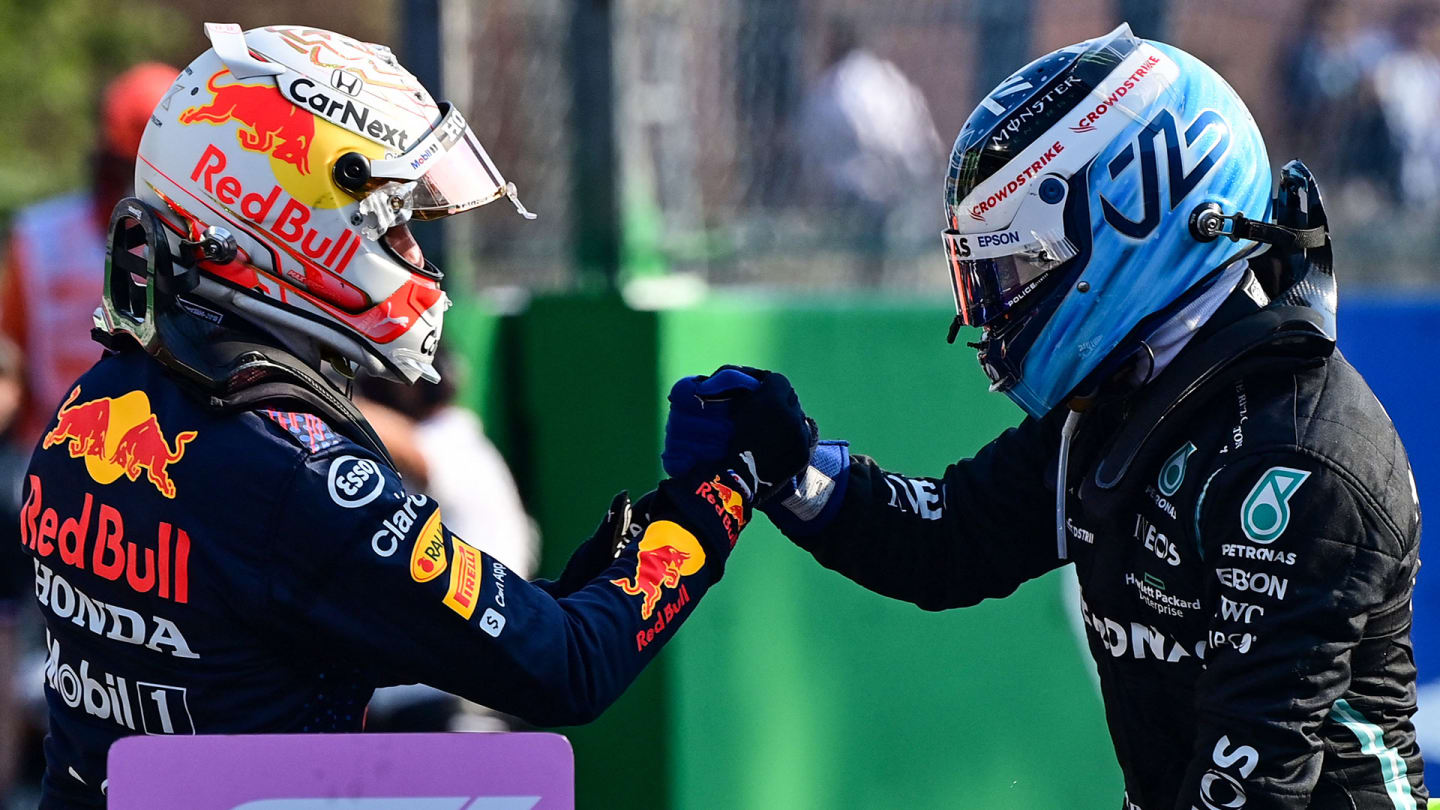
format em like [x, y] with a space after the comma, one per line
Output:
[1181, 182]
[346, 82]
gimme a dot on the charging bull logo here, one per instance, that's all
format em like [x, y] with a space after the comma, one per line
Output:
[118, 436]
[667, 553]
[269, 122]
[729, 505]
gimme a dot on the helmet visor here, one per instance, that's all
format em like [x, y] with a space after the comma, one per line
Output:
[452, 172]
[993, 272]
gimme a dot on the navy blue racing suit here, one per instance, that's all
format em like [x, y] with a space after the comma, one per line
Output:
[204, 572]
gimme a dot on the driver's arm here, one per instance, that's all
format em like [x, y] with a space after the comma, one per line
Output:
[368, 572]
[979, 532]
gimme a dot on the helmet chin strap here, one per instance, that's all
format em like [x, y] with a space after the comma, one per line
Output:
[301, 336]
[1208, 222]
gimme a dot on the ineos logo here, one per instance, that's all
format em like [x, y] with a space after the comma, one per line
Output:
[1181, 182]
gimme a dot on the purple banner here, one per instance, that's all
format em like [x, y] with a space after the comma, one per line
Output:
[343, 771]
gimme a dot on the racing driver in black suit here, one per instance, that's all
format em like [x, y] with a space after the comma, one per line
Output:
[1238, 508]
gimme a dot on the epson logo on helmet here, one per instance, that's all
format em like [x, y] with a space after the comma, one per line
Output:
[345, 112]
[1002, 238]
[983, 241]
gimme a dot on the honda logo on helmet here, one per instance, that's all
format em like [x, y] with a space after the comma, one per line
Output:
[1181, 182]
[346, 82]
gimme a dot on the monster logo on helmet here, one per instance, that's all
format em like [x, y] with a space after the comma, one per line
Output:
[1105, 181]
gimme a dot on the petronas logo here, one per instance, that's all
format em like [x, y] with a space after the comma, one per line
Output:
[1172, 475]
[1266, 511]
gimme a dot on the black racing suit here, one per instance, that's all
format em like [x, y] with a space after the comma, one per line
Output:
[256, 571]
[1245, 533]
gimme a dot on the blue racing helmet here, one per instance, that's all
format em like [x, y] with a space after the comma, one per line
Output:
[1084, 198]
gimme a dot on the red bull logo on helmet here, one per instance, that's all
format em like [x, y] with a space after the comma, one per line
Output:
[291, 224]
[268, 121]
[667, 553]
[118, 436]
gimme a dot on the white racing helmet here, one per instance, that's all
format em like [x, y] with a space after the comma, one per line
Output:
[312, 151]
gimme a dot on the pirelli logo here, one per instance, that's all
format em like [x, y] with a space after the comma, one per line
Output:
[464, 591]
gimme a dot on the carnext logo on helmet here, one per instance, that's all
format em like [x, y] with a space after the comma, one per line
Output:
[346, 113]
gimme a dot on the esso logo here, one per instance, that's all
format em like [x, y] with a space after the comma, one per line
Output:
[355, 482]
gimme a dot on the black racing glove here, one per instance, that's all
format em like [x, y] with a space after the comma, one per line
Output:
[622, 523]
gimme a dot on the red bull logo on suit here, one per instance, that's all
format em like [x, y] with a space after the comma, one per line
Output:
[729, 505]
[667, 553]
[118, 436]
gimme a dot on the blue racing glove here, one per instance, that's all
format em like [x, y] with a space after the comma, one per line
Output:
[698, 430]
[743, 419]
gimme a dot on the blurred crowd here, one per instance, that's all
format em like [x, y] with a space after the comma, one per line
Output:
[1362, 105]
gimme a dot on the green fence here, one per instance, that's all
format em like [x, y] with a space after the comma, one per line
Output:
[791, 686]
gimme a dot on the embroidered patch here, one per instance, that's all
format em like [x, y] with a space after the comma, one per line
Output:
[1266, 510]
[310, 429]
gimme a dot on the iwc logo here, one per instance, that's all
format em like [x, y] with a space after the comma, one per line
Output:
[1266, 510]
[1172, 475]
